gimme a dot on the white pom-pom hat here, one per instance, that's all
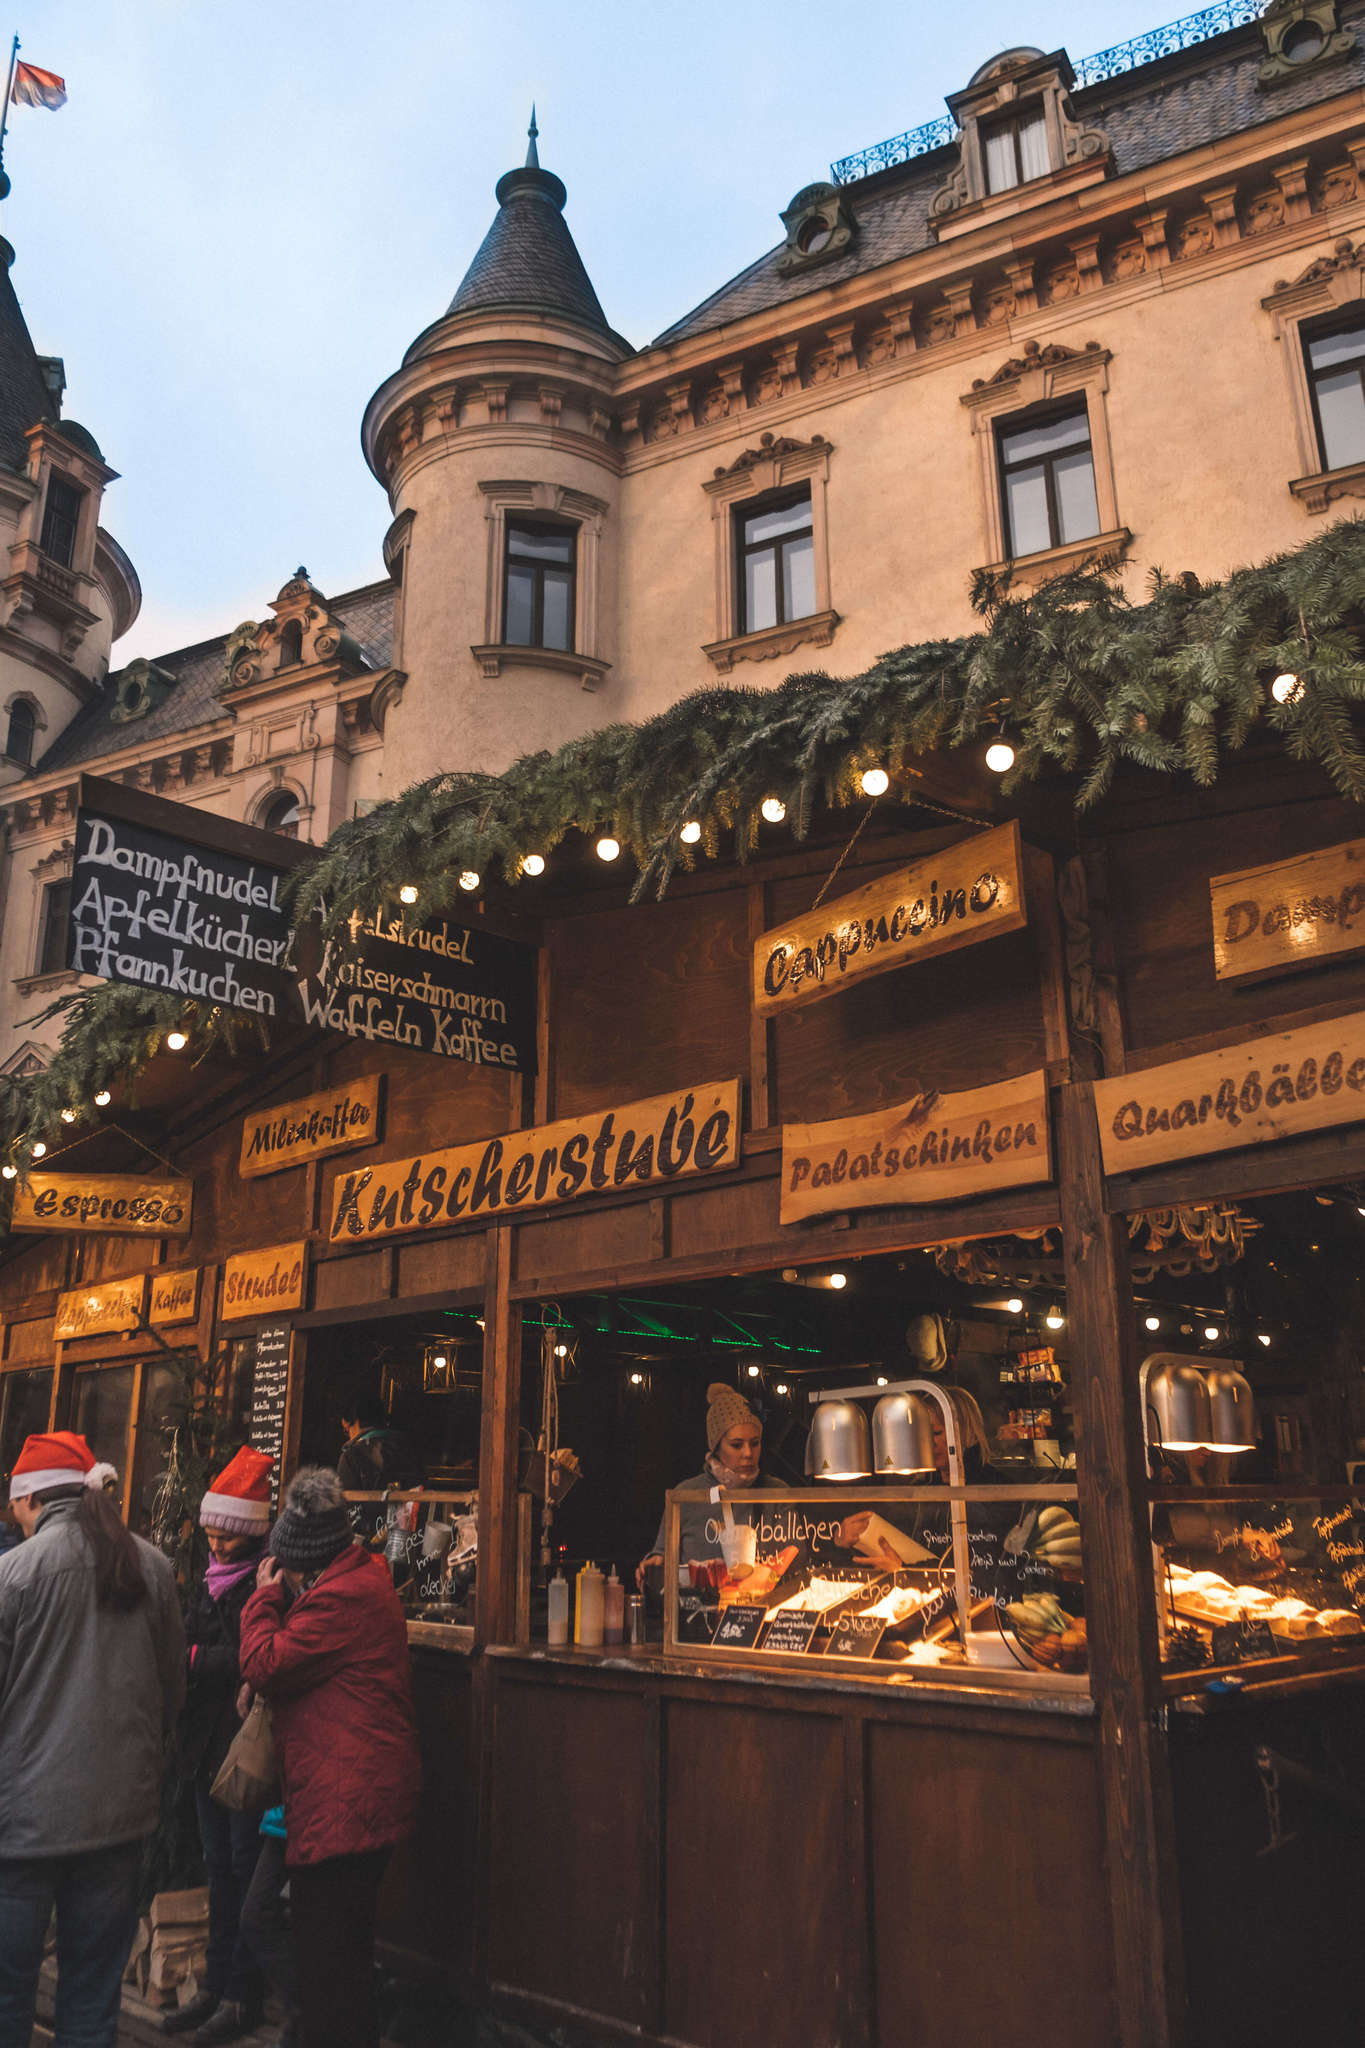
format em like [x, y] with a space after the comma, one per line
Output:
[61, 1459]
[238, 1500]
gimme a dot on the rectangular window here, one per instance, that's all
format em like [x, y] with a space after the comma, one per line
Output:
[61, 518]
[1015, 151]
[776, 562]
[538, 585]
[1336, 377]
[1047, 481]
[25, 1398]
[56, 915]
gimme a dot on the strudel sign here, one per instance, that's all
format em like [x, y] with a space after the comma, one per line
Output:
[973, 890]
[665, 1137]
[1277, 1087]
[934, 1148]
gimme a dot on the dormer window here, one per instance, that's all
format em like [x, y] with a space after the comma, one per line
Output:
[1015, 150]
[61, 520]
[291, 643]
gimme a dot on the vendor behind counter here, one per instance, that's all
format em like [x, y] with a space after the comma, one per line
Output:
[734, 1450]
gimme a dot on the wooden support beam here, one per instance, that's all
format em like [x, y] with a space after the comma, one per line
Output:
[495, 1608]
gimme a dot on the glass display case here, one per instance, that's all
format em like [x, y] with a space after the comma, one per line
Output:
[430, 1543]
[971, 1584]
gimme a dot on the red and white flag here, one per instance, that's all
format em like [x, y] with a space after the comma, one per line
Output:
[35, 88]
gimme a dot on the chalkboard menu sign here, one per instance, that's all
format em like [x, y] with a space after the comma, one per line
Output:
[791, 1631]
[738, 1628]
[1234, 1644]
[269, 1395]
[856, 1635]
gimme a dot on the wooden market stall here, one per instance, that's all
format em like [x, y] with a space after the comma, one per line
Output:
[999, 1113]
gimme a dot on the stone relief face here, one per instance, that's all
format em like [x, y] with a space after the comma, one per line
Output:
[716, 404]
[769, 385]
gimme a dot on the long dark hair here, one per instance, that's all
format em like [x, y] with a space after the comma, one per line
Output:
[119, 1584]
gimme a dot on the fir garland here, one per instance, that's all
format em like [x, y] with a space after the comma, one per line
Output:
[1081, 678]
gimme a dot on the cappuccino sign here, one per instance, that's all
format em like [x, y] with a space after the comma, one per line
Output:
[973, 890]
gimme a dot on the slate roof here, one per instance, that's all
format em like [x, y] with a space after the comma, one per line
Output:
[24, 397]
[1149, 116]
[528, 260]
[366, 614]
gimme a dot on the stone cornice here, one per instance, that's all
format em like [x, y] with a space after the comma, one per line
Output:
[34, 655]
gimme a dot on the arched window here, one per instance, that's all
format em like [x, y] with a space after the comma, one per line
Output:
[281, 814]
[23, 723]
[291, 643]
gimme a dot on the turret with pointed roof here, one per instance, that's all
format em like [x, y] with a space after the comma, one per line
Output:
[527, 262]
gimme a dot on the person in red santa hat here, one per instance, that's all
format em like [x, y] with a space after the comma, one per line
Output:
[92, 1657]
[235, 1517]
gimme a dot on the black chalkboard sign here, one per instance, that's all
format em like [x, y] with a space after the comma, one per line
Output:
[856, 1635]
[1237, 1643]
[269, 1397]
[791, 1631]
[738, 1628]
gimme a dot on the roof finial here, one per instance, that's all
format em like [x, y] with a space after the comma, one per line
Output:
[532, 159]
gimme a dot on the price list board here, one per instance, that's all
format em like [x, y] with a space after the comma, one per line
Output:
[269, 1397]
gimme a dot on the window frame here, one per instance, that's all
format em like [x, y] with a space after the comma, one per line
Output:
[1321, 329]
[1049, 413]
[539, 524]
[776, 467]
[59, 482]
[752, 508]
[512, 498]
[1331, 288]
[41, 965]
[26, 706]
[1011, 123]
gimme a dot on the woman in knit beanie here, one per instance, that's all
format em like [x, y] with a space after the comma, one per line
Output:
[734, 1447]
[333, 1666]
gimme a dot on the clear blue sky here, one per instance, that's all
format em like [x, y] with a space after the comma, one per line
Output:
[246, 211]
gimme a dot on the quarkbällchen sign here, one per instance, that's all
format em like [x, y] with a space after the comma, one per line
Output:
[963, 893]
[934, 1148]
[119, 1202]
[1249, 1094]
[1289, 914]
[288, 1133]
[665, 1137]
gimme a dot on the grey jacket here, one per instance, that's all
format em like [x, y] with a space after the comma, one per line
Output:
[87, 1696]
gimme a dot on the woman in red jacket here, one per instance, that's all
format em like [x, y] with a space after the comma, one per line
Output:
[334, 1667]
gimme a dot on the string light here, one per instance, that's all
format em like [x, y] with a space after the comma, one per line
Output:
[407, 894]
[837, 1280]
[533, 864]
[1014, 1305]
[773, 809]
[753, 1372]
[1286, 689]
[469, 881]
[39, 1149]
[1151, 1322]
[176, 1041]
[68, 1116]
[637, 1379]
[561, 1350]
[881, 1379]
[608, 848]
[1211, 1333]
[103, 1099]
[439, 1361]
[782, 1388]
[9, 1172]
[1000, 757]
[1054, 1319]
[690, 833]
[1262, 1338]
[876, 782]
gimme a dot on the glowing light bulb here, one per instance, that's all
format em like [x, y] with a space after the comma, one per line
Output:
[176, 1041]
[533, 864]
[782, 1388]
[876, 782]
[753, 1372]
[1000, 757]
[103, 1099]
[1054, 1319]
[608, 848]
[407, 894]
[837, 1280]
[1014, 1305]
[68, 1116]
[39, 1149]
[881, 1379]
[773, 809]
[637, 1379]
[1151, 1322]
[9, 1172]
[561, 1350]
[469, 881]
[440, 1362]
[1262, 1338]
[1286, 689]
[690, 833]
[1211, 1333]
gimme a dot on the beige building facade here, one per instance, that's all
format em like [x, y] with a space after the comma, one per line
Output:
[1109, 314]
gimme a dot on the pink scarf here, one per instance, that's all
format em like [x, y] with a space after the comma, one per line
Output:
[221, 1578]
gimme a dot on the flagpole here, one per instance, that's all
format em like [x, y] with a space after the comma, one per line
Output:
[4, 116]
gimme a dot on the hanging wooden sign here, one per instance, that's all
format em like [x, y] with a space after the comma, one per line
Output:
[973, 890]
[120, 1202]
[175, 1297]
[934, 1148]
[1290, 914]
[288, 1133]
[94, 1311]
[265, 1283]
[1268, 1088]
[666, 1137]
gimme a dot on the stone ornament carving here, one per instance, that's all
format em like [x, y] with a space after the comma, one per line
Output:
[771, 448]
[1036, 357]
[1059, 283]
[1299, 36]
[1343, 256]
[819, 225]
[302, 631]
[1337, 186]
[1019, 80]
[141, 687]
[1263, 212]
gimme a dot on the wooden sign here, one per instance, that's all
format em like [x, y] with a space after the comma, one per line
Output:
[666, 1137]
[1278, 1087]
[175, 1297]
[93, 1311]
[119, 1202]
[973, 890]
[290, 1132]
[1291, 914]
[265, 1283]
[934, 1148]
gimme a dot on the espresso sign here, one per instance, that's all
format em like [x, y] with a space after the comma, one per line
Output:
[663, 1138]
[973, 890]
[291, 1132]
[175, 1297]
[1278, 1087]
[119, 1202]
[94, 1311]
[1291, 914]
[934, 1148]
[265, 1283]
